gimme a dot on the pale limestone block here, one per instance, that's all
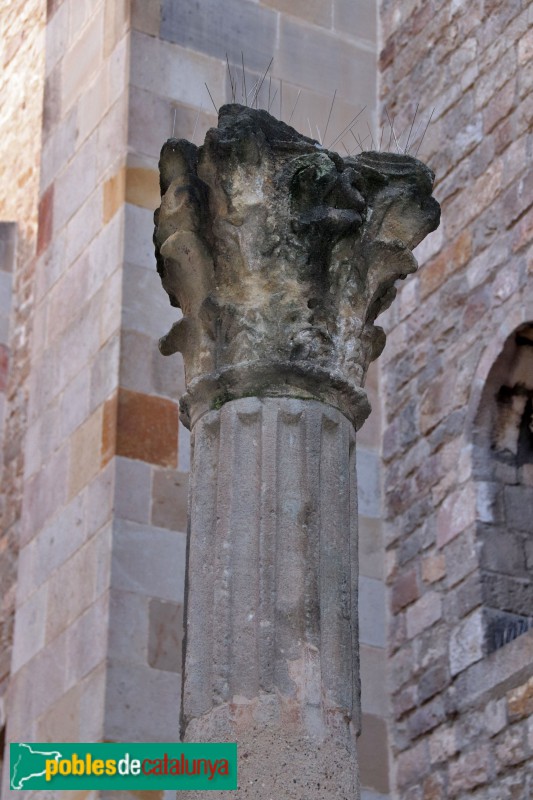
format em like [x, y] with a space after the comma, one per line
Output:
[47, 673]
[138, 248]
[374, 690]
[133, 490]
[142, 704]
[299, 49]
[85, 452]
[148, 560]
[104, 372]
[111, 149]
[111, 306]
[87, 641]
[58, 148]
[74, 406]
[75, 183]
[136, 356]
[61, 723]
[128, 627]
[81, 61]
[30, 628]
[93, 103]
[215, 29]
[165, 635]
[59, 540]
[372, 619]
[371, 553]
[145, 16]
[358, 19]
[46, 494]
[84, 226]
[68, 596]
[80, 342]
[369, 483]
[145, 307]
[92, 705]
[173, 71]
[118, 74]
[100, 498]
[169, 499]
[56, 37]
[466, 642]
[159, 110]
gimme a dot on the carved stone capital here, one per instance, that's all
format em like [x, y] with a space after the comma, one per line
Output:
[281, 255]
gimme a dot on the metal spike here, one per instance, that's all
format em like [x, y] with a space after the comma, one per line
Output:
[211, 96]
[411, 129]
[329, 115]
[346, 128]
[294, 106]
[425, 129]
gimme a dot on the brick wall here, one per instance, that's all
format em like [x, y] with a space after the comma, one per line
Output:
[472, 62]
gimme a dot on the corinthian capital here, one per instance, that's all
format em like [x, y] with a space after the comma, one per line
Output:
[281, 254]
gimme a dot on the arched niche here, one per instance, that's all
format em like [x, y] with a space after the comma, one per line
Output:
[503, 471]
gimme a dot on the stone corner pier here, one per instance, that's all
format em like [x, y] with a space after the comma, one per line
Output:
[280, 254]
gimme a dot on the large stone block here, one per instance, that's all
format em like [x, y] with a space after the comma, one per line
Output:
[169, 502]
[372, 628]
[142, 704]
[149, 561]
[356, 19]
[216, 29]
[81, 61]
[176, 72]
[467, 642]
[147, 428]
[344, 66]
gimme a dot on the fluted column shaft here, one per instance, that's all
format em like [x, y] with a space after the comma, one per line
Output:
[271, 618]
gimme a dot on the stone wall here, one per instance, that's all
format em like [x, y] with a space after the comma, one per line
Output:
[171, 60]
[472, 62]
[57, 683]
[99, 599]
[21, 87]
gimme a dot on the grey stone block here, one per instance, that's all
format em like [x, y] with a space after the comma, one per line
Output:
[368, 483]
[357, 19]
[318, 60]
[133, 489]
[148, 560]
[142, 704]
[372, 627]
[169, 506]
[165, 635]
[218, 28]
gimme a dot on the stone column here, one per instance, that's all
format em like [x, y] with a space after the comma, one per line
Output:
[280, 254]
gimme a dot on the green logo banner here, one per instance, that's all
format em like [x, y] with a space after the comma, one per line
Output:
[123, 766]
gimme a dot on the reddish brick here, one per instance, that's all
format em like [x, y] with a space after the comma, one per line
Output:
[46, 211]
[147, 428]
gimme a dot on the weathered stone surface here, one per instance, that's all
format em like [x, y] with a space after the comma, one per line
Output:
[271, 640]
[281, 255]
